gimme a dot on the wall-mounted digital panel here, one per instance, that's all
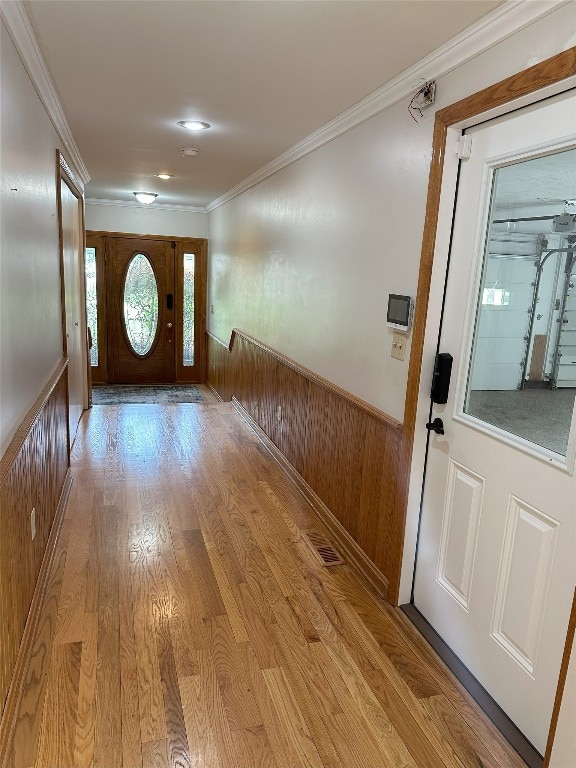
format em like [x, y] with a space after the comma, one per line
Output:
[400, 312]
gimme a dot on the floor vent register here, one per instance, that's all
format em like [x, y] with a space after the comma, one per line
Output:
[323, 549]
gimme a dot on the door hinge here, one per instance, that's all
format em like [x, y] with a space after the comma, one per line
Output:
[464, 147]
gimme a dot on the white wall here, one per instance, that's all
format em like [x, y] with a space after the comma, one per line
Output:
[145, 220]
[30, 309]
[304, 261]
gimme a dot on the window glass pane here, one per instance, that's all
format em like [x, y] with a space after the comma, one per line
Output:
[140, 304]
[188, 315]
[91, 302]
[522, 375]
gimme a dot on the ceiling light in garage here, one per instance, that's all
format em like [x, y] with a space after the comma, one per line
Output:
[145, 197]
[193, 125]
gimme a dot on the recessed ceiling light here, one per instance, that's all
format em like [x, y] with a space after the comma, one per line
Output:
[164, 176]
[145, 197]
[193, 125]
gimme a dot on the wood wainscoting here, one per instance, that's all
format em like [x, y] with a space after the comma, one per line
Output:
[345, 451]
[34, 474]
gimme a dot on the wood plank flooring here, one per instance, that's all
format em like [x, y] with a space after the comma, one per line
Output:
[188, 625]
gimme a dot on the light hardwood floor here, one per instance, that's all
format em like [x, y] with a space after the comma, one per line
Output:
[187, 623]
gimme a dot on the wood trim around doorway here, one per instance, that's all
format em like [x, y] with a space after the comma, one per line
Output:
[64, 174]
[546, 73]
[568, 647]
[136, 236]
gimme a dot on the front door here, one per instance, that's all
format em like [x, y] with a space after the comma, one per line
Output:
[140, 311]
[496, 563]
[146, 308]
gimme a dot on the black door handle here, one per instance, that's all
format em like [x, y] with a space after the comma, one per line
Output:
[441, 378]
[436, 426]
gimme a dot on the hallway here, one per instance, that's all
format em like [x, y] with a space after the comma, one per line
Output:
[186, 622]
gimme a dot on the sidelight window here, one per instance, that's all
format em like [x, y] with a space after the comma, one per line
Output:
[92, 302]
[188, 314]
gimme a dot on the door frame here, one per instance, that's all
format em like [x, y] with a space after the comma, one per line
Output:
[548, 78]
[181, 245]
[64, 174]
[503, 143]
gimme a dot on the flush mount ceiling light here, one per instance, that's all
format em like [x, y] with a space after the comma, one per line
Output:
[189, 151]
[193, 125]
[145, 197]
[164, 176]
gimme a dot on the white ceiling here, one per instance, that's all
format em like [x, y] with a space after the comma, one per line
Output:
[547, 180]
[264, 73]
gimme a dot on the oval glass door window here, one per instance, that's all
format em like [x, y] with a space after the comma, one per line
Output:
[140, 305]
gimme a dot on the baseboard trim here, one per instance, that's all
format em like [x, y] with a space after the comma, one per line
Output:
[354, 554]
[507, 728]
[215, 392]
[12, 704]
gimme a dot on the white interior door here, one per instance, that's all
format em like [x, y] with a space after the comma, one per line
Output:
[496, 563]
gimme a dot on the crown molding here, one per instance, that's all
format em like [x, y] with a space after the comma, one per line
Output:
[492, 29]
[149, 207]
[20, 30]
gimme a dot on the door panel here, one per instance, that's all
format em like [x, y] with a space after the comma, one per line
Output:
[526, 565]
[141, 316]
[495, 568]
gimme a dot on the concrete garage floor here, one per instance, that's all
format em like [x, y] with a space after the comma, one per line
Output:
[542, 416]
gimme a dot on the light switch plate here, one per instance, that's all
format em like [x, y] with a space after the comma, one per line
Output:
[398, 346]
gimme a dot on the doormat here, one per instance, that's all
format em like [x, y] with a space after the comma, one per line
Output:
[122, 394]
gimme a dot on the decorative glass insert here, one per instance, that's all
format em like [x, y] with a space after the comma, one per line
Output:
[188, 315]
[92, 302]
[140, 304]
